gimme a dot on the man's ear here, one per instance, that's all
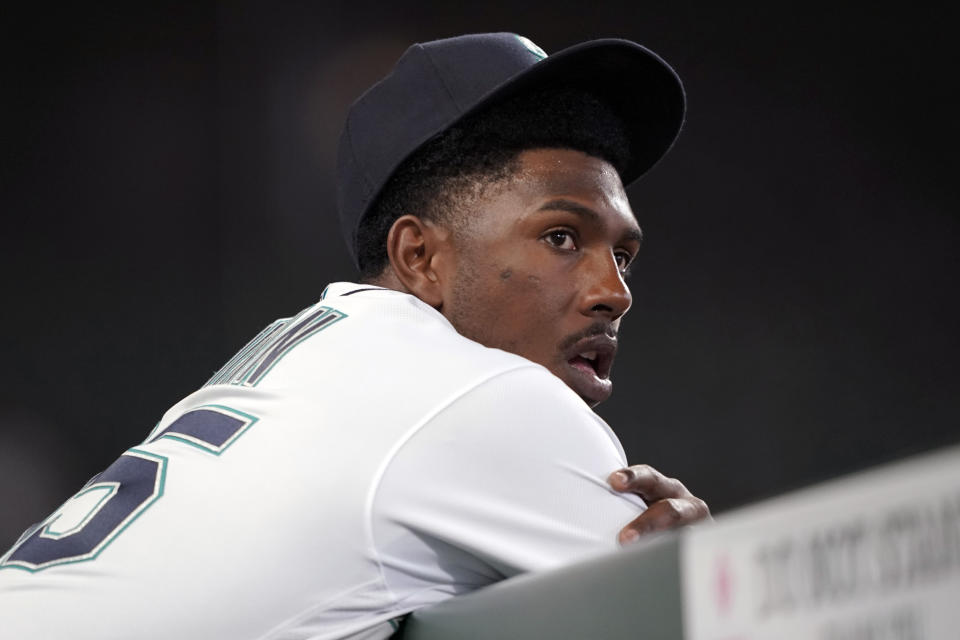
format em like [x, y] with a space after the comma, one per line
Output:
[417, 251]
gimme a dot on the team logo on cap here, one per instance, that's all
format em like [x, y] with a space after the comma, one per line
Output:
[532, 47]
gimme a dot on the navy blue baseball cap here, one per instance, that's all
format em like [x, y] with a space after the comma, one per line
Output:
[436, 84]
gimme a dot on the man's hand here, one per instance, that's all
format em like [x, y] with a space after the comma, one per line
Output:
[669, 503]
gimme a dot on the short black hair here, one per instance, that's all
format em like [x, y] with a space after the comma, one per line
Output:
[480, 150]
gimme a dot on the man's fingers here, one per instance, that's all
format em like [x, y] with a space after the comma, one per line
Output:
[648, 483]
[667, 513]
[669, 503]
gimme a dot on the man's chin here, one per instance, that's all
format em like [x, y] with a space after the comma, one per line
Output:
[593, 402]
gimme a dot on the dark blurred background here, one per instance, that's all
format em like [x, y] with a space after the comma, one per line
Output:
[168, 189]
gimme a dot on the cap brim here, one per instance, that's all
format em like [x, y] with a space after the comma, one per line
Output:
[640, 88]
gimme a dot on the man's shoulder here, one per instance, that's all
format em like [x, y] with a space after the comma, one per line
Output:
[387, 325]
[369, 346]
[401, 342]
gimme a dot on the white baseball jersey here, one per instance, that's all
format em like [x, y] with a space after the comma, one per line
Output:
[351, 464]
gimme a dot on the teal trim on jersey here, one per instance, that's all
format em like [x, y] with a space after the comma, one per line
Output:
[240, 369]
[110, 489]
[251, 366]
[330, 311]
[531, 46]
[32, 529]
[206, 446]
[244, 363]
[227, 371]
[153, 431]
[159, 483]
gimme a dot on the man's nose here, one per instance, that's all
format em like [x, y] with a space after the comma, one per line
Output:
[607, 294]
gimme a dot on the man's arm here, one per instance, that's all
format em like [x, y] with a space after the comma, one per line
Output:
[511, 477]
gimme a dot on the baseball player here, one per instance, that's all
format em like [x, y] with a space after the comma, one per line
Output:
[419, 434]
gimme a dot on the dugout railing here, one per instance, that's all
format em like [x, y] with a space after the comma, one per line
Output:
[872, 556]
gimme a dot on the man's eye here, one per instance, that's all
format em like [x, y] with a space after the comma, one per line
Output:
[561, 239]
[623, 261]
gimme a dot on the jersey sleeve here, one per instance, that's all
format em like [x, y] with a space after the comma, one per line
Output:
[510, 477]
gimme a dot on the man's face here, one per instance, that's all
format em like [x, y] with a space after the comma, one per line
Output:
[539, 270]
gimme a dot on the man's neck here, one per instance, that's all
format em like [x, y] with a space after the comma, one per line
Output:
[386, 279]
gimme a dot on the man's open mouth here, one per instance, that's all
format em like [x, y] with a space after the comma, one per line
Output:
[594, 355]
[586, 361]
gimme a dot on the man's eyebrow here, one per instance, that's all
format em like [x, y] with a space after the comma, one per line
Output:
[562, 204]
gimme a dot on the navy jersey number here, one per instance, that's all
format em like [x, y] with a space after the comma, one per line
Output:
[90, 520]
